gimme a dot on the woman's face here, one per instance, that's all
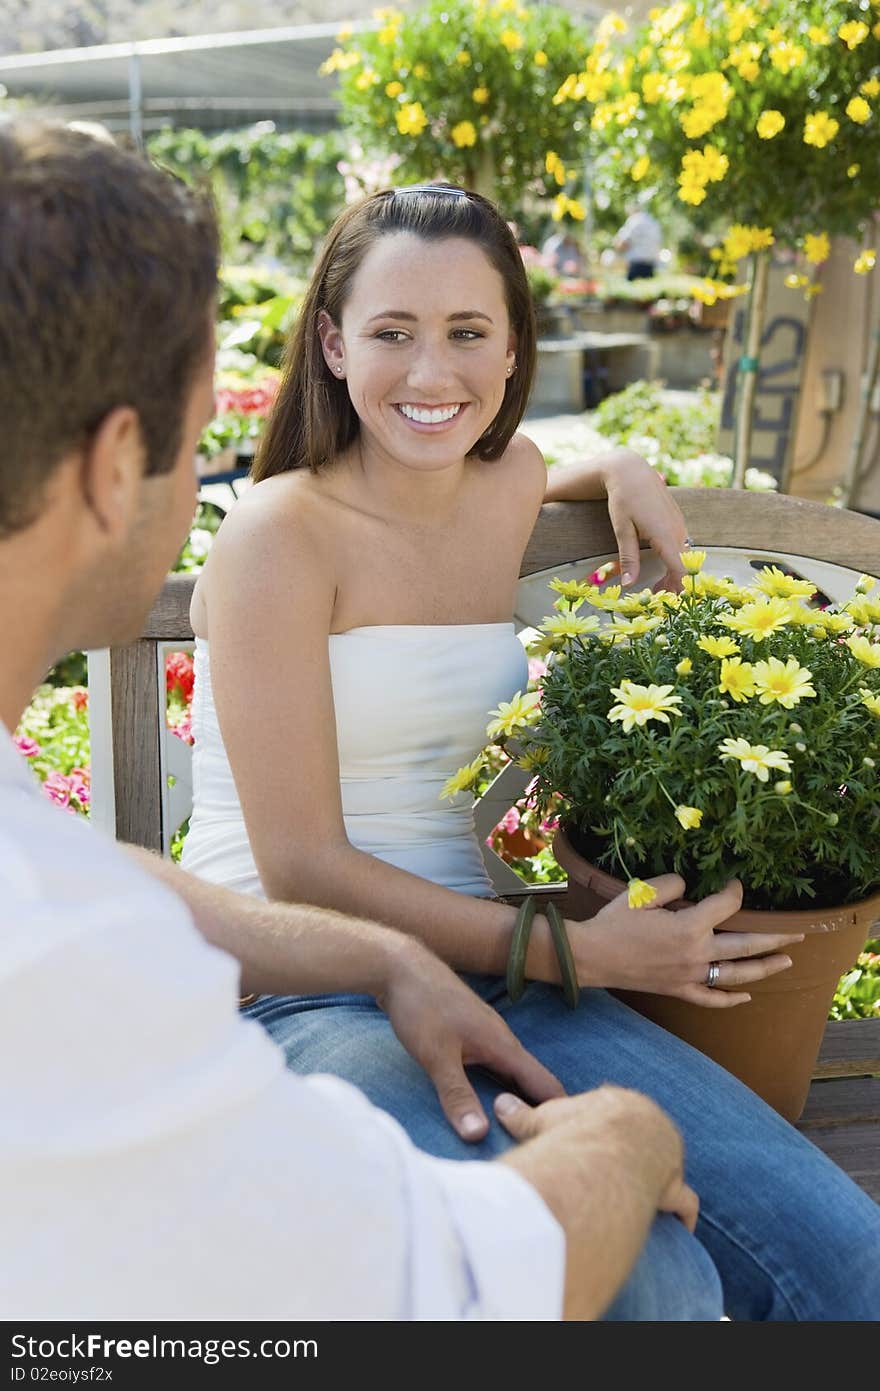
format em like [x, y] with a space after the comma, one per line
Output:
[425, 345]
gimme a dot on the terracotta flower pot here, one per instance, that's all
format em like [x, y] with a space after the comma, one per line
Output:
[771, 1043]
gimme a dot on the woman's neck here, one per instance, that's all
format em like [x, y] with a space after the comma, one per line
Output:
[390, 488]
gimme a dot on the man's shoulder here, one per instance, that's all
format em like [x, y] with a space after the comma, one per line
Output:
[60, 871]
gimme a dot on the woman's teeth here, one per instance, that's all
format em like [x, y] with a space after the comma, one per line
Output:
[429, 417]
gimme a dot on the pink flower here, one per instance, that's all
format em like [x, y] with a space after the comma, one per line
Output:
[28, 747]
[537, 669]
[82, 775]
[57, 789]
[80, 791]
[183, 729]
[508, 823]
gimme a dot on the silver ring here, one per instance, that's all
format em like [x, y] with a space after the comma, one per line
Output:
[712, 974]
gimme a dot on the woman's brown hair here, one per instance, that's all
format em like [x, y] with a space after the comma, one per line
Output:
[313, 420]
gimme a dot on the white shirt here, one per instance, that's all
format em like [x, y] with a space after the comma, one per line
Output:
[157, 1160]
[642, 235]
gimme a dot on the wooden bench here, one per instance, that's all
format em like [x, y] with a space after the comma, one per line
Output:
[135, 755]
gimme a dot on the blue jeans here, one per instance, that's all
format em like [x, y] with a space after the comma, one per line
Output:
[783, 1233]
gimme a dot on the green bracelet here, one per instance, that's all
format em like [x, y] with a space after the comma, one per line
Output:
[519, 944]
[570, 987]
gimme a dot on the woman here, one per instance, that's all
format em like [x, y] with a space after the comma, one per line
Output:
[354, 629]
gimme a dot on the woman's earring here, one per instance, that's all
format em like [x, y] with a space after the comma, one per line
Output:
[339, 370]
[510, 367]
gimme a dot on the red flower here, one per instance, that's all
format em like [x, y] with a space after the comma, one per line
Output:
[246, 400]
[80, 697]
[179, 674]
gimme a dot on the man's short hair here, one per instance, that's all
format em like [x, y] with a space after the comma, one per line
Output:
[108, 269]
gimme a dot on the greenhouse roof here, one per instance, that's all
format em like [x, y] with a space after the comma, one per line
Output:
[214, 79]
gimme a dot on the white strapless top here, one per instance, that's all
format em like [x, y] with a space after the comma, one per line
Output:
[412, 707]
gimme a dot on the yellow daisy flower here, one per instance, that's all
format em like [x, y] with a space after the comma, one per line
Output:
[777, 584]
[770, 123]
[868, 653]
[462, 780]
[513, 714]
[689, 817]
[573, 589]
[718, 647]
[693, 560]
[684, 667]
[837, 623]
[865, 261]
[759, 619]
[820, 129]
[736, 679]
[634, 627]
[858, 110]
[782, 683]
[783, 787]
[865, 584]
[464, 134]
[569, 625]
[639, 894]
[638, 704]
[411, 118]
[870, 700]
[480, 95]
[755, 758]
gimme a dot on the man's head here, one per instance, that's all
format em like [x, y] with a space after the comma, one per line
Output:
[108, 273]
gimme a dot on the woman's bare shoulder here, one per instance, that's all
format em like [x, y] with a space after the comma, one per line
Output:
[275, 536]
[525, 471]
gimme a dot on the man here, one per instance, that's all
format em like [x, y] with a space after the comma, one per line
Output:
[640, 241]
[157, 1159]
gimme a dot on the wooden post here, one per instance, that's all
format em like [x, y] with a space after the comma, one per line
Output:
[748, 367]
[870, 377]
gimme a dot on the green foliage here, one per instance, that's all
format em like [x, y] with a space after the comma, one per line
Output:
[471, 93]
[807, 828]
[543, 282]
[697, 77]
[277, 192]
[858, 992]
[678, 441]
[679, 431]
[205, 527]
[72, 670]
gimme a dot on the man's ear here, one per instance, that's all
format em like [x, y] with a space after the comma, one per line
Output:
[332, 344]
[112, 470]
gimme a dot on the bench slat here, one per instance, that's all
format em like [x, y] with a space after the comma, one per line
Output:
[843, 1101]
[855, 1149]
[850, 1048]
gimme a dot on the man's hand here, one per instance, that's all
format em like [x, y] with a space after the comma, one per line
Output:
[445, 1026]
[604, 1116]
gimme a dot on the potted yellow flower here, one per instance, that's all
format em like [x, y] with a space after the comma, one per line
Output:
[722, 732]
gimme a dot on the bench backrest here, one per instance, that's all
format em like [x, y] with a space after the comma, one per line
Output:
[149, 782]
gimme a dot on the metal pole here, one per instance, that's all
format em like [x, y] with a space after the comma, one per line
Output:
[135, 99]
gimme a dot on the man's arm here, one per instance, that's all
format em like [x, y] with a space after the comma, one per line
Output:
[297, 949]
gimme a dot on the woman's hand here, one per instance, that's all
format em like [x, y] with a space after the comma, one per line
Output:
[641, 508]
[670, 953]
[446, 1027]
[639, 505]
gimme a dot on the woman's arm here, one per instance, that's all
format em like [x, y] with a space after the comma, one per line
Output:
[639, 505]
